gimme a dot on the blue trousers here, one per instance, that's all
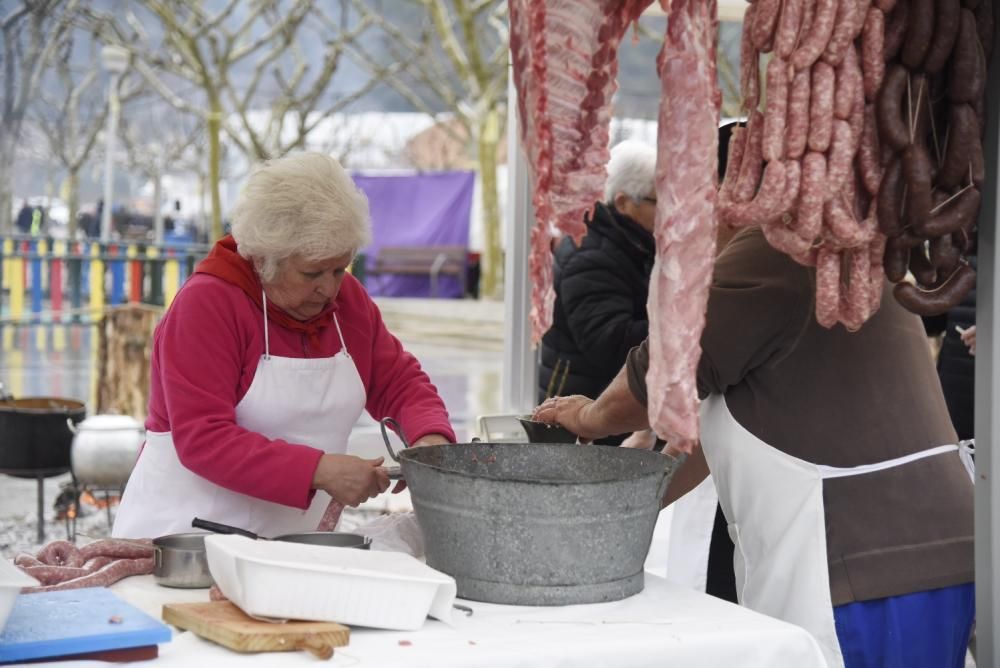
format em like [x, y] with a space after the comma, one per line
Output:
[928, 629]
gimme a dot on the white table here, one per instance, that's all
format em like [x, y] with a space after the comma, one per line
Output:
[663, 626]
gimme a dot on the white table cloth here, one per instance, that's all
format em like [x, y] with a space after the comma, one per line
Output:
[663, 626]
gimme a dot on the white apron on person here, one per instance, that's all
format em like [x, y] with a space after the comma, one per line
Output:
[691, 536]
[774, 505]
[308, 401]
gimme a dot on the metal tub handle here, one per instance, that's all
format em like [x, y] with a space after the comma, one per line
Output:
[389, 422]
[72, 426]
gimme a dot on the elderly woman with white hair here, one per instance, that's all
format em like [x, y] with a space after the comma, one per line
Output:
[264, 362]
[601, 286]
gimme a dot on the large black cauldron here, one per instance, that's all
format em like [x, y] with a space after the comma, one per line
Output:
[35, 439]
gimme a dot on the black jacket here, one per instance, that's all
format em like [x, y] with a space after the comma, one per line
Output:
[600, 308]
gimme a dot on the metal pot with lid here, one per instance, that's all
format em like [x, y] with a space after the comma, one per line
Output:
[536, 523]
[105, 449]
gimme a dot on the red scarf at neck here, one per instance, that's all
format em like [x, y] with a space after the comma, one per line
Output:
[224, 262]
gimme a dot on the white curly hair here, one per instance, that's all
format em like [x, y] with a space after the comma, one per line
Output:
[631, 170]
[304, 204]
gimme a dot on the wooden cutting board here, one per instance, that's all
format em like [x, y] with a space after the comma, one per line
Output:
[224, 623]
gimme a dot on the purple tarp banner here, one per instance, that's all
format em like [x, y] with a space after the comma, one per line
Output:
[417, 210]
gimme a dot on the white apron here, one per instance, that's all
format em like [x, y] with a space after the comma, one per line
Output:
[691, 536]
[774, 505]
[310, 401]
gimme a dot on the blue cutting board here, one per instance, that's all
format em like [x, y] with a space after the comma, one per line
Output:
[57, 623]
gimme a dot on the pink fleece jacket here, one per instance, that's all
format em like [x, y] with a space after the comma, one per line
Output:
[205, 354]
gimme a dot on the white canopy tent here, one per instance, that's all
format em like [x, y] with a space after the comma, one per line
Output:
[520, 359]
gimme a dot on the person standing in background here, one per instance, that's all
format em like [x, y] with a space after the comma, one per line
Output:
[601, 286]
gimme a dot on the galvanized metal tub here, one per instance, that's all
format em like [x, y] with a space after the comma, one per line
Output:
[537, 524]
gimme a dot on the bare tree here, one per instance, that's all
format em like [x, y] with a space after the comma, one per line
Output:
[245, 57]
[71, 109]
[455, 59]
[158, 141]
[32, 31]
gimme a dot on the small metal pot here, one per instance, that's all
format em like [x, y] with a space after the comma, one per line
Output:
[179, 561]
[327, 538]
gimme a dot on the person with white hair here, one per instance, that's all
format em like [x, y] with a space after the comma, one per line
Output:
[601, 286]
[264, 362]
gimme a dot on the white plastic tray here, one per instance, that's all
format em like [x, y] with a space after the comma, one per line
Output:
[387, 590]
[12, 579]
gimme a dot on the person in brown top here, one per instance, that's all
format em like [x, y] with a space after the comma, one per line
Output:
[789, 408]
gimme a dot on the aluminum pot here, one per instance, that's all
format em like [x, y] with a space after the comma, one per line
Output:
[179, 561]
[105, 448]
[536, 524]
[33, 435]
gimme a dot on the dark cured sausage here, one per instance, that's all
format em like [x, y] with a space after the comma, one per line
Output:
[919, 31]
[897, 257]
[966, 77]
[890, 195]
[963, 135]
[889, 108]
[868, 150]
[917, 175]
[947, 20]
[926, 303]
[961, 213]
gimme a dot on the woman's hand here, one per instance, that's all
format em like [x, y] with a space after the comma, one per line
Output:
[570, 412]
[968, 337]
[429, 439]
[350, 480]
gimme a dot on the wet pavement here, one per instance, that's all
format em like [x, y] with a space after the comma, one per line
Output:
[459, 344]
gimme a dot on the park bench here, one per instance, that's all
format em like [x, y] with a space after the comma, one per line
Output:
[430, 261]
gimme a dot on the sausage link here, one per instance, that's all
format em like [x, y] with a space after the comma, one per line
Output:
[766, 203]
[845, 231]
[947, 20]
[890, 195]
[749, 67]
[103, 577]
[856, 302]
[944, 298]
[961, 213]
[50, 575]
[889, 108]
[752, 164]
[840, 158]
[827, 287]
[847, 76]
[895, 30]
[820, 31]
[963, 135]
[919, 31]
[917, 176]
[897, 257]
[789, 24]
[872, 45]
[798, 115]
[845, 30]
[809, 222]
[868, 151]
[785, 240]
[60, 553]
[24, 559]
[773, 147]
[944, 255]
[764, 21]
[821, 107]
[734, 159]
[119, 549]
[966, 77]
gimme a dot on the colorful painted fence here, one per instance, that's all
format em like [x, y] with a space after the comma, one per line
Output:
[51, 280]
